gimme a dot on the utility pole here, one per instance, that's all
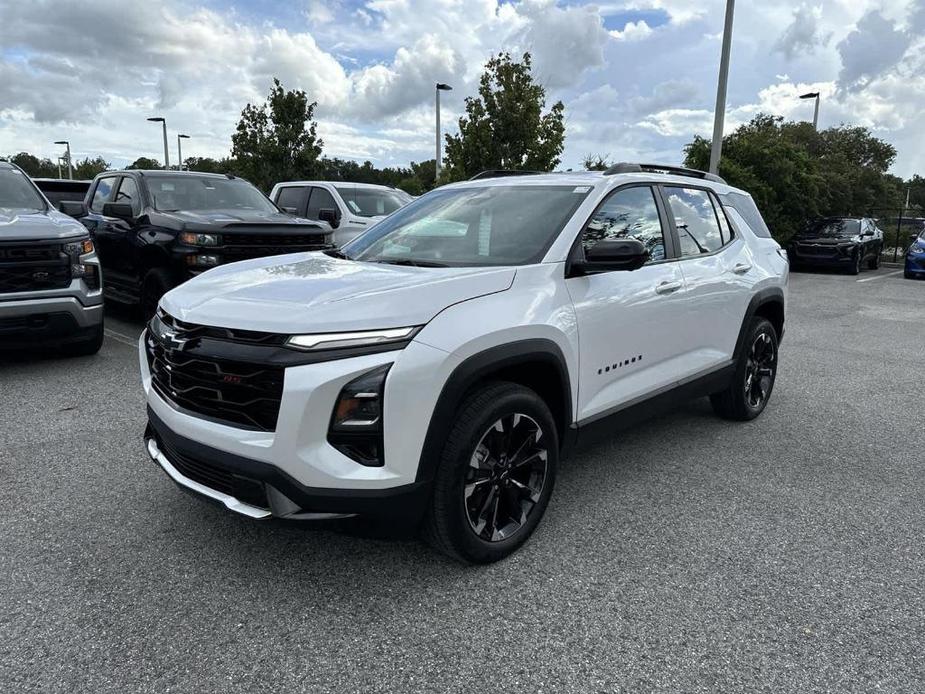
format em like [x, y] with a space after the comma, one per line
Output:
[70, 166]
[720, 114]
[813, 95]
[163, 122]
[180, 151]
[441, 87]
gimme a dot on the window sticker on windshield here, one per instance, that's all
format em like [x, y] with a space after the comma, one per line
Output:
[581, 189]
[167, 187]
[353, 205]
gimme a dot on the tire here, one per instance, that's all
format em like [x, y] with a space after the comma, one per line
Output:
[856, 263]
[500, 457]
[87, 347]
[908, 275]
[745, 398]
[155, 284]
[874, 262]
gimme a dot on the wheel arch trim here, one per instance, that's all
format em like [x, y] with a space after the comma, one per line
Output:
[766, 297]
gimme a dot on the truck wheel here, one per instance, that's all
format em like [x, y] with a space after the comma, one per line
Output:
[856, 263]
[874, 262]
[155, 284]
[87, 347]
[495, 475]
[755, 372]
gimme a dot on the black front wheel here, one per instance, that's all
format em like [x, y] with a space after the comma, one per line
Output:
[155, 284]
[495, 476]
[856, 262]
[873, 263]
[756, 370]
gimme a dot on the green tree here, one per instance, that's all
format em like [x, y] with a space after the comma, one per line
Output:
[596, 162]
[504, 126]
[277, 141]
[145, 163]
[795, 173]
[88, 168]
[225, 165]
[35, 167]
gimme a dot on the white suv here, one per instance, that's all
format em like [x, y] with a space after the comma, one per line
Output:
[435, 368]
[350, 208]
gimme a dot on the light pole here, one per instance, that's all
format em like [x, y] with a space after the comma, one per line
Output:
[720, 113]
[813, 95]
[59, 167]
[70, 167]
[180, 151]
[441, 87]
[163, 122]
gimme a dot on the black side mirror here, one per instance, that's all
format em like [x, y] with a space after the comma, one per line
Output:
[329, 215]
[73, 208]
[868, 233]
[294, 211]
[614, 254]
[119, 210]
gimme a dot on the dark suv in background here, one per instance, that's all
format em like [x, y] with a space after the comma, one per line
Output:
[155, 229]
[846, 242]
[57, 190]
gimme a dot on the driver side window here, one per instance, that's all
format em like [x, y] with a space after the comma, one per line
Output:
[629, 213]
[102, 193]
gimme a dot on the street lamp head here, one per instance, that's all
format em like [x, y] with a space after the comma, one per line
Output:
[62, 142]
[444, 87]
[809, 95]
[185, 137]
[156, 120]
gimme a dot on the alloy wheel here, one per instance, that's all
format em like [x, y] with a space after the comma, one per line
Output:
[505, 477]
[760, 370]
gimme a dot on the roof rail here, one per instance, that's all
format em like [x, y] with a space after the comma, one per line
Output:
[627, 167]
[501, 173]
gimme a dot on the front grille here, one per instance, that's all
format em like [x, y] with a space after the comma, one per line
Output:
[31, 267]
[821, 251]
[314, 240]
[230, 392]
[215, 477]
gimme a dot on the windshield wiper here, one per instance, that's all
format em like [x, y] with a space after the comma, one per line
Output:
[337, 253]
[413, 263]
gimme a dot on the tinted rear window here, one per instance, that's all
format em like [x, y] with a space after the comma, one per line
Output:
[745, 206]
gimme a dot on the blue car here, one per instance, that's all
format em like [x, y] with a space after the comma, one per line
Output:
[915, 258]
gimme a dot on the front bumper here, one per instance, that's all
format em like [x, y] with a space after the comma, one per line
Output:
[915, 264]
[62, 319]
[260, 490]
[830, 256]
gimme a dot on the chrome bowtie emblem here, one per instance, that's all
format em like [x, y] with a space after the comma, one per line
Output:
[171, 340]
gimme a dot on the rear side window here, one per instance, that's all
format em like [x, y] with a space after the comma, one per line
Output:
[745, 206]
[292, 196]
[102, 193]
[629, 213]
[695, 217]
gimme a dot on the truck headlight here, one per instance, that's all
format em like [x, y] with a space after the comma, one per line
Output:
[356, 422]
[194, 239]
[364, 338]
[203, 260]
[79, 248]
[88, 272]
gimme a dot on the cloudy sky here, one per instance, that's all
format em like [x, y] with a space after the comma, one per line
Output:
[638, 78]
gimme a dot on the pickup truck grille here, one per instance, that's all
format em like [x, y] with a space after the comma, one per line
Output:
[313, 240]
[33, 267]
[230, 392]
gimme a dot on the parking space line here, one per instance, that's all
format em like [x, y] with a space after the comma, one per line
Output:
[119, 337]
[880, 277]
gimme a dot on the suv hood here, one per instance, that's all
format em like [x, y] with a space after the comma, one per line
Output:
[313, 292]
[27, 225]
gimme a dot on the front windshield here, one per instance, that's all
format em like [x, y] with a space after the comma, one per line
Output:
[835, 228]
[372, 202]
[18, 193]
[205, 193]
[491, 225]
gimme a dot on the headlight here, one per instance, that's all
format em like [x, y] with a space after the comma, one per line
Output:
[203, 260]
[79, 247]
[356, 422]
[193, 239]
[917, 249]
[364, 338]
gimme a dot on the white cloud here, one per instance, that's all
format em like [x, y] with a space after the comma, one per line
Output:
[632, 31]
[804, 34]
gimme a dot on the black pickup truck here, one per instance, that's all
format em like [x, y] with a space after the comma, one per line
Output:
[155, 229]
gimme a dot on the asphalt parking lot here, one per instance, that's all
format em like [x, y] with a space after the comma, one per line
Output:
[691, 554]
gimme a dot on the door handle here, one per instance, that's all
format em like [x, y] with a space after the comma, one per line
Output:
[667, 287]
[742, 268]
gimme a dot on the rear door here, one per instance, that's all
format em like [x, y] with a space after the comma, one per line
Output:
[719, 273]
[632, 326]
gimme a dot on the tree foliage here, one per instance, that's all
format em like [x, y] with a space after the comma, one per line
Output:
[88, 168]
[277, 141]
[596, 162]
[504, 126]
[145, 163]
[795, 173]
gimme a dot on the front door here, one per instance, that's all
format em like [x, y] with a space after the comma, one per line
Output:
[632, 325]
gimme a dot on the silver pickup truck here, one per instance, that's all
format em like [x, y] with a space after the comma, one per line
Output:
[50, 281]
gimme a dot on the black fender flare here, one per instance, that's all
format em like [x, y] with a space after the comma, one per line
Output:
[474, 369]
[771, 295]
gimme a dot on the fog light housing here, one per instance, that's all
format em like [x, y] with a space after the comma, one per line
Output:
[90, 274]
[203, 260]
[356, 422]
